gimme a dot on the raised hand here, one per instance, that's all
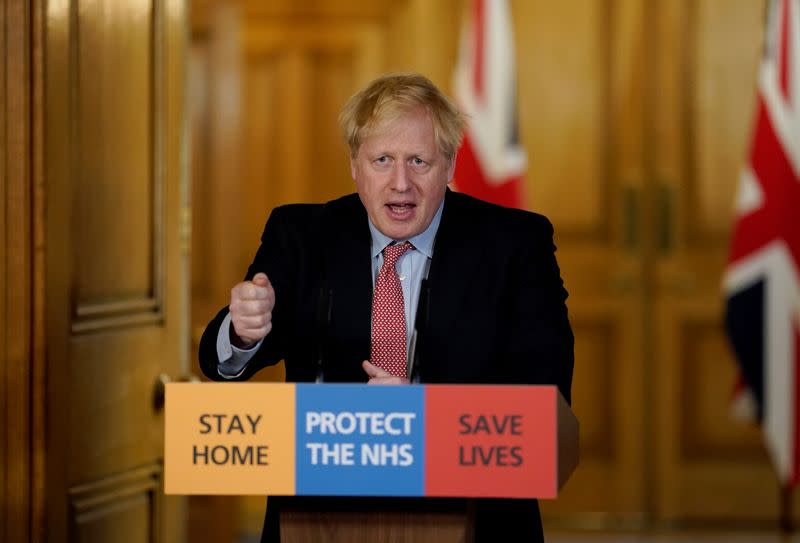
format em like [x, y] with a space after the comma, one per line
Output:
[251, 310]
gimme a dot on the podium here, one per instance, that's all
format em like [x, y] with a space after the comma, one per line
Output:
[369, 463]
[364, 524]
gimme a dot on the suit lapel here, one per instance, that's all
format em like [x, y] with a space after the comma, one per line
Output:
[454, 258]
[349, 277]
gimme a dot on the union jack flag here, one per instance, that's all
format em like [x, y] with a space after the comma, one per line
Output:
[491, 162]
[762, 277]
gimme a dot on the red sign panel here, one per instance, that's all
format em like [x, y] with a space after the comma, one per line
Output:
[489, 441]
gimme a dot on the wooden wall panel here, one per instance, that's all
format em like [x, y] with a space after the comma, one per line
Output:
[594, 405]
[115, 99]
[708, 429]
[564, 110]
[201, 199]
[118, 233]
[422, 37]
[612, 415]
[118, 96]
[315, 68]
[18, 455]
[582, 120]
[711, 467]
[227, 165]
[122, 507]
[597, 388]
[260, 145]
[721, 120]
[6, 497]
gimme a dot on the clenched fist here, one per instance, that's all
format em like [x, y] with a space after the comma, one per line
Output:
[251, 310]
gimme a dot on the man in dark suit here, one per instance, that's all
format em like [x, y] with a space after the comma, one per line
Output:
[493, 303]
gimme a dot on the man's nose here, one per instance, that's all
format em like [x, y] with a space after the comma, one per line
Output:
[400, 179]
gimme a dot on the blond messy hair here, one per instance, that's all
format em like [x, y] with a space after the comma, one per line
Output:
[390, 96]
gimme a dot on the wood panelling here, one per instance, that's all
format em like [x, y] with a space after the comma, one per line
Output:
[582, 122]
[204, 12]
[597, 389]
[567, 110]
[711, 466]
[300, 77]
[201, 201]
[113, 138]
[708, 431]
[125, 504]
[128, 175]
[719, 120]
[17, 455]
[120, 176]
[610, 413]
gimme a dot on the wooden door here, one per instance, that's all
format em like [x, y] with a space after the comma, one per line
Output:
[115, 303]
[582, 88]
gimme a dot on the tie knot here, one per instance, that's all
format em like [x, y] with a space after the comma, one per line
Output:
[392, 252]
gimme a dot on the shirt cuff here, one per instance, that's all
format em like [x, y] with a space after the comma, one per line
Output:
[232, 359]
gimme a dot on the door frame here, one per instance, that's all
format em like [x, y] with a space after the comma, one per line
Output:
[22, 400]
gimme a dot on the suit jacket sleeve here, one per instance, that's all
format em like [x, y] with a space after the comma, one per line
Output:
[538, 347]
[276, 258]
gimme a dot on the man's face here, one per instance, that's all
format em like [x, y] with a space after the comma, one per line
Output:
[401, 175]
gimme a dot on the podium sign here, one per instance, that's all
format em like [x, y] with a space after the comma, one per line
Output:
[359, 440]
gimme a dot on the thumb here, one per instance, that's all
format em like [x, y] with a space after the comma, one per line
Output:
[260, 279]
[374, 371]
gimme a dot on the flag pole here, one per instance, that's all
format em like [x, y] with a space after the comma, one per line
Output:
[786, 524]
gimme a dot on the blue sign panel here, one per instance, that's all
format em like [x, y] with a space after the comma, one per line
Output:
[360, 441]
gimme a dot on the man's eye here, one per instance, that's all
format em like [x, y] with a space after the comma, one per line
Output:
[418, 161]
[382, 160]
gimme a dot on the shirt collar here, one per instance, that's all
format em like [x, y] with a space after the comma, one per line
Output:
[422, 242]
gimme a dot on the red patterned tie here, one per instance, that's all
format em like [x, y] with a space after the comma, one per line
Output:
[389, 315]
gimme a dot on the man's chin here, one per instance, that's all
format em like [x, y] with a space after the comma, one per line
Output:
[396, 232]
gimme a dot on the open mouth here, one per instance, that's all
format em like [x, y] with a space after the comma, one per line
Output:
[401, 210]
